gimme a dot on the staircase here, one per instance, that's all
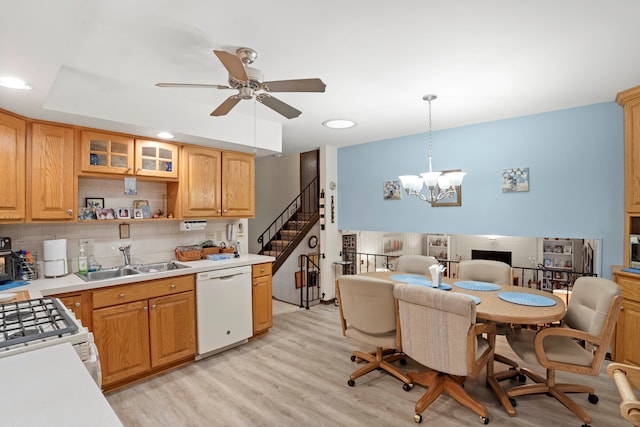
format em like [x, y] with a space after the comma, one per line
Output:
[289, 228]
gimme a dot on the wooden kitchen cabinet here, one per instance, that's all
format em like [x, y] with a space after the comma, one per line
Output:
[101, 152]
[51, 184]
[143, 328]
[12, 164]
[216, 183]
[630, 102]
[627, 337]
[262, 298]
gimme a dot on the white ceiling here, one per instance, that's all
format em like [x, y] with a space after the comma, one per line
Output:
[95, 63]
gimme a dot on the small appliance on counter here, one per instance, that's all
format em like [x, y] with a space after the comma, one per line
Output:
[9, 261]
[55, 258]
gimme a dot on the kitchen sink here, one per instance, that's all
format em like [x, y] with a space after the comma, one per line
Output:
[92, 276]
[158, 267]
[111, 273]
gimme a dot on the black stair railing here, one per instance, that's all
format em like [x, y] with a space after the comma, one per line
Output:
[293, 221]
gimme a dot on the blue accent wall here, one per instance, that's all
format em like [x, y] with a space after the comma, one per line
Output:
[576, 186]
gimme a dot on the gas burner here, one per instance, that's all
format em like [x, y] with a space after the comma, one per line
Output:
[21, 315]
[23, 333]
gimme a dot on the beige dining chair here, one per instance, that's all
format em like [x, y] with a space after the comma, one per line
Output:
[369, 315]
[439, 331]
[591, 318]
[499, 273]
[627, 379]
[415, 264]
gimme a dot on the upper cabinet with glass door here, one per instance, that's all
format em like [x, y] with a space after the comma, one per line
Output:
[122, 155]
[106, 153]
[159, 159]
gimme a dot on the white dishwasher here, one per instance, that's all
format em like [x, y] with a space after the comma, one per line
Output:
[224, 313]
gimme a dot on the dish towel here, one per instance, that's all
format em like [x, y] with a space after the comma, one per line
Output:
[13, 284]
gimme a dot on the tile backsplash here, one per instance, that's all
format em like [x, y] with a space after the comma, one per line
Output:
[151, 240]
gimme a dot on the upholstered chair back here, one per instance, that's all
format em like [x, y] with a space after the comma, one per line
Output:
[435, 325]
[369, 310]
[589, 304]
[415, 264]
[484, 270]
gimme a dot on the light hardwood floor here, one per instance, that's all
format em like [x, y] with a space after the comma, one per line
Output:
[297, 376]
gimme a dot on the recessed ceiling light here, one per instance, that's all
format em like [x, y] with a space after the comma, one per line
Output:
[165, 135]
[14, 83]
[338, 124]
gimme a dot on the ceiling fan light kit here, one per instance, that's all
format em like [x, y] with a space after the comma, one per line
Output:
[439, 185]
[248, 81]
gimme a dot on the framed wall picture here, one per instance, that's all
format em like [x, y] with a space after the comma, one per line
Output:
[391, 190]
[94, 202]
[515, 180]
[454, 199]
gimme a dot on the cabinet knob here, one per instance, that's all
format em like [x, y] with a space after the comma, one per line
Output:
[77, 305]
[173, 286]
[225, 211]
[153, 307]
[255, 283]
[121, 296]
[69, 211]
[138, 170]
[219, 210]
[130, 168]
[145, 308]
[262, 270]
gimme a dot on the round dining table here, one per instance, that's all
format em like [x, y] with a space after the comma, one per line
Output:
[493, 306]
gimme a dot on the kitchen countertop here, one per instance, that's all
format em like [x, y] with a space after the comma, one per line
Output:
[51, 387]
[73, 283]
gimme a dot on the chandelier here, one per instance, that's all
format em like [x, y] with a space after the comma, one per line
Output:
[439, 185]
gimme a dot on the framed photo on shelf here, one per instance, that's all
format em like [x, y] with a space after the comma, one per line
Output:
[86, 214]
[123, 213]
[146, 211]
[94, 202]
[105, 213]
[137, 214]
[548, 263]
[567, 249]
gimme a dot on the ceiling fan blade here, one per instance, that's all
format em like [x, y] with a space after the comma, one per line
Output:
[226, 106]
[278, 106]
[233, 64]
[192, 85]
[300, 85]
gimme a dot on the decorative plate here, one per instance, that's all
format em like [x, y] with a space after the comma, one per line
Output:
[472, 285]
[526, 299]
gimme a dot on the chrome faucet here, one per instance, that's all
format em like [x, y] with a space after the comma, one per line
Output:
[126, 253]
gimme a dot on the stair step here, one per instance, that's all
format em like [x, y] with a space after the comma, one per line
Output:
[295, 224]
[271, 253]
[305, 216]
[279, 243]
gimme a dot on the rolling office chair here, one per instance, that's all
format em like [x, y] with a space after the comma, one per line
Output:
[439, 331]
[591, 317]
[499, 273]
[369, 315]
[415, 264]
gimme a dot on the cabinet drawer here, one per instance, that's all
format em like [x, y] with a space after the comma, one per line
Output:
[630, 287]
[261, 269]
[142, 290]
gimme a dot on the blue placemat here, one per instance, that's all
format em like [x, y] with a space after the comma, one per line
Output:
[526, 299]
[632, 270]
[413, 279]
[14, 284]
[472, 285]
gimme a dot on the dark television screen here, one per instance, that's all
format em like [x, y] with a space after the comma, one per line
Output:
[491, 255]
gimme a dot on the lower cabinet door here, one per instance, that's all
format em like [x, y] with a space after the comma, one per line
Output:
[172, 328]
[121, 333]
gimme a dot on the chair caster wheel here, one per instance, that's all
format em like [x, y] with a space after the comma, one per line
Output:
[417, 418]
[351, 383]
[403, 361]
[353, 358]
[407, 387]
[522, 378]
[593, 398]
[513, 402]
[484, 420]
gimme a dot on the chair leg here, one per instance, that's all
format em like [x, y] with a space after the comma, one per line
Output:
[558, 391]
[377, 360]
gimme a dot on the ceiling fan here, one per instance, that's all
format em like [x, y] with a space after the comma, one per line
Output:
[248, 82]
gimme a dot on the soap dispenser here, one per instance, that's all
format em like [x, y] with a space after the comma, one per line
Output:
[82, 261]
